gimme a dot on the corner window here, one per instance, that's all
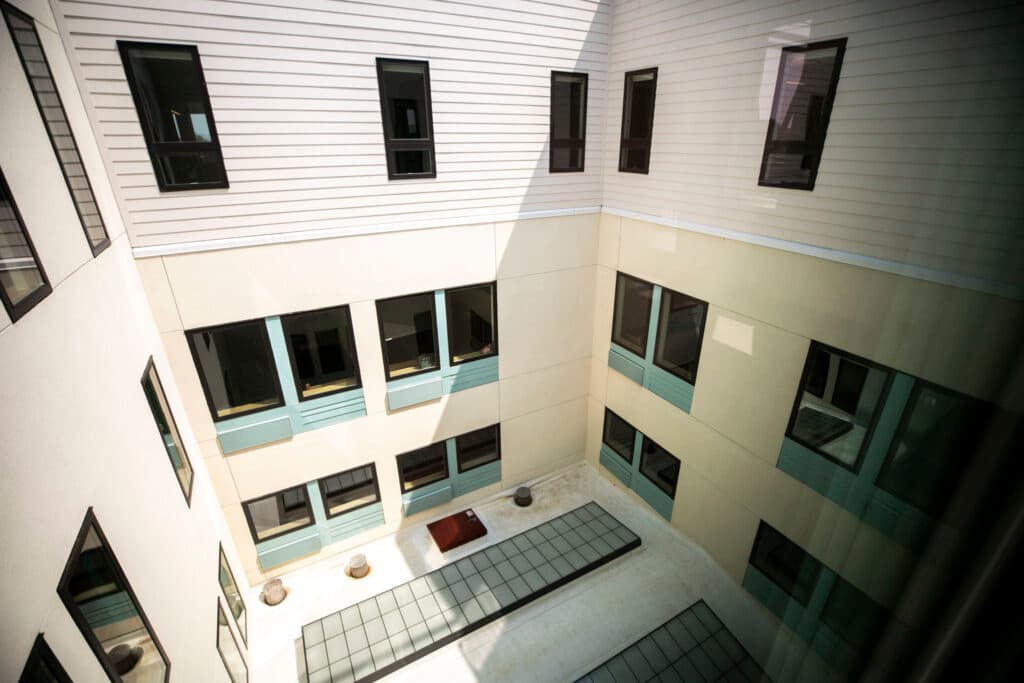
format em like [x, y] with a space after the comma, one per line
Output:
[659, 466]
[174, 111]
[102, 604]
[232, 596]
[478, 448]
[568, 121]
[167, 428]
[423, 466]
[237, 368]
[785, 563]
[804, 91]
[408, 126]
[278, 513]
[637, 120]
[23, 283]
[472, 322]
[632, 313]
[408, 330]
[322, 352]
[43, 666]
[349, 490]
[618, 435]
[229, 651]
[838, 402]
[679, 335]
[51, 110]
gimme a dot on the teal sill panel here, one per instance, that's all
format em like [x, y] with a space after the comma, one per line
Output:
[455, 485]
[403, 393]
[426, 497]
[629, 474]
[644, 372]
[288, 547]
[616, 465]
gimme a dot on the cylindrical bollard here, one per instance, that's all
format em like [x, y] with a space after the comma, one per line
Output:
[358, 567]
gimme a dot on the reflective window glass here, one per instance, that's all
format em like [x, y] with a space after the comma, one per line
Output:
[322, 351]
[472, 322]
[632, 313]
[679, 335]
[409, 334]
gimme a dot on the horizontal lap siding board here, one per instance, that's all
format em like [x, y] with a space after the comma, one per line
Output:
[298, 82]
[922, 161]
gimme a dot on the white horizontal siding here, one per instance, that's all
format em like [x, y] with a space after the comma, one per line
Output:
[293, 88]
[923, 161]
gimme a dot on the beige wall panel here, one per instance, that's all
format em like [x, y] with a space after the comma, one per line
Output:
[541, 245]
[366, 332]
[187, 379]
[158, 292]
[525, 393]
[542, 441]
[604, 309]
[608, 229]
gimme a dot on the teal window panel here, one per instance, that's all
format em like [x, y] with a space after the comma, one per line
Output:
[289, 547]
[355, 522]
[476, 478]
[472, 374]
[803, 621]
[438, 493]
[810, 468]
[428, 388]
[254, 430]
[616, 465]
[898, 520]
[676, 391]
[329, 410]
[652, 495]
[626, 363]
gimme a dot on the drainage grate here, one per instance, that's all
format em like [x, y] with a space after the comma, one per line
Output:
[375, 637]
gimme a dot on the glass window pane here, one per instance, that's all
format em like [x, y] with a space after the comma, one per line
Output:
[853, 616]
[637, 120]
[478, 447]
[349, 490]
[20, 273]
[619, 435]
[43, 666]
[472, 317]
[94, 590]
[322, 351]
[405, 111]
[409, 335]
[237, 368]
[838, 401]
[632, 313]
[234, 662]
[785, 563]
[168, 429]
[279, 513]
[680, 328]
[568, 120]
[192, 168]
[231, 594]
[169, 85]
[424, 466]
[411, 161]
[660, 466]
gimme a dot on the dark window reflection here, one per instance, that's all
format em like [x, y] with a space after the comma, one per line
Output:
[405, 109]
[322, 351]
[680, 328]
[409, 334]
[619, 435]
[637, 120]
[659, 466]
[168, 429]
[21, 277]
[279, 513]
[478, 447]
[349, 490]
[231, 593]
[42, 665]
[785, 563]
[237, 368]
[853, 616]
[424, 466]
[472, 321]
[632, 313]
[568, 120]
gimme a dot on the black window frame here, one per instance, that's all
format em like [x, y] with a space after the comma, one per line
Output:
[252, 527]
[90, 522]
[814, 574]
[223, 659]
[156, 149]
[170, 418]
[869, 430]
[700, 334]
[8, 10]
[18, 311]
[222, 558]
[640, 466]
[818, 146]
[497, 440]
[399, 144]
[271, 364]
[568, 143]
[291, 354]
[650, 306]
[639, 143]
[448, 321]
[383, 344]
[323, 490]
[444, 460]
[604, 433]
[42, 652]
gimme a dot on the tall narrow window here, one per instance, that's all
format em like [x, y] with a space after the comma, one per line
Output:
[278, 513]
[231, 593]
[174, 110]
[568, 121]
[472, 322]
[785, 563]
[632, 314]
[680, 332]
[104, 607]
[637, 120]
[408, 123]
[236, 368]
[408, 333]
[322, 351]
[423, 466]
[229, 651]
[167, 428]
[51, 108]
[619, 435]
[23, 283]
[349, 490]
[478, 448]
[804, 91]
[659, 466]
[43, 666]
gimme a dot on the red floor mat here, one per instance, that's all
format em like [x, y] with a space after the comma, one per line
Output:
[454, 530]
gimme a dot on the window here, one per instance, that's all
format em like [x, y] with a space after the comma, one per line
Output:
[659, 466]
[408, 123]
[853, 616]
[472, 322]
[349, 490]
[478, 448]
[637, 120]
[838, 402]
[632, 313]
[568, 121]
[23, 283]
[174, 111]
[619, 435]
[278, 513]
[804, 91]
[424, 466]
[232, 595]
[679, 336]
[237, 368]
[43, 666]
[51, 109]
[785, 563]
[165, 424]
[104, 607]
[227, 646]
[322, 352]
[408, 332]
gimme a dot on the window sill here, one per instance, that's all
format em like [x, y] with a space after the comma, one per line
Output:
[660, 382]
[403, 393]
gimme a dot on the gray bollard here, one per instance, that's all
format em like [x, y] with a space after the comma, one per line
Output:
[523, 496]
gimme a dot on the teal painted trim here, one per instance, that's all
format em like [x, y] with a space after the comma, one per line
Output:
[471, 374]
[254, 430]
[435, 494]
[778, 602]
[616, 465]
[289, 547]
[321, 412]
[626, 363]
[824, 476]
[652, 323]
[899, 520]
[355, 522]
[673, 389]
[172, 451]
[109, 609]
[279, 349]
[659, 501]
[428, 388]
[476, 478]
[441, 306]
